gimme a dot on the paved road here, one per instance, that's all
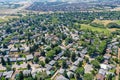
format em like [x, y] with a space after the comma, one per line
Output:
[118, 67]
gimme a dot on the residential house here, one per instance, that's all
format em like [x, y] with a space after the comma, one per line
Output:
[73, 68]
[29, 57]
[107, 56]
[69, 73]
[61, 71]
[105, 66]
[77, 61]
[13, 59]
[102, 71]
[100, 77]
[48, 67]
[26, 72]
[52, 62]
[61, 77]
[48, 72]
[20, 59]
[14, 50]
[8, 74]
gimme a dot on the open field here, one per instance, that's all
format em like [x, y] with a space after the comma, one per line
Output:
[105, 22]
[106, 30]
[6, 18]
[84, 27]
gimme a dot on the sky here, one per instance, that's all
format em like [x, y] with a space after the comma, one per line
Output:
[48, 0]
[57, 0]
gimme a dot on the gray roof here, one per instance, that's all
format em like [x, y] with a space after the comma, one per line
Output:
[29, 57]
[22, 49]
[8, 74]
[73, 68]
[20, 59]
[0, 59]
[60, 54]
[48, 67]
[5, 58]
[115, 43]
[64, 58]
[77, 61]
[52, 62]
[61, 77]
[14, 50]
[1, 74]
[106, 56]
[12, 59]
[26, 72]
[84, 51]
[61, 71]
[56, 58]
[69, 73]
[102, 71]
[4, 49]
[48, 72]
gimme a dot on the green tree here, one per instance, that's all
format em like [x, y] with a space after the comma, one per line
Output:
[42, 63]
[8, 61]
[67, 53]
[88, 76]
[80, 71]
[100, 59]
[47, 60]
[73, 57]
[41, 76]
[36, 59]
[95, 63]
[68, 41]
[64, 64]
[29, 66]
[80, 64]
[42, 53]
[113, 25]
[3, 61]
[8, 67]
[50, 54]
[57, 50]
[20, 76]
[2, 78]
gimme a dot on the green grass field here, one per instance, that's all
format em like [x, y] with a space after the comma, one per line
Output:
[3, 20]
[102, 30]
